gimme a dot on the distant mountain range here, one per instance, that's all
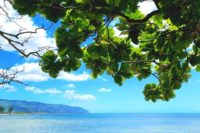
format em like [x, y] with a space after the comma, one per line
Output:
[37, 107]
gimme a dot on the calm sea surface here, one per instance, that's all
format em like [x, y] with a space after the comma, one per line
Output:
[101, 123]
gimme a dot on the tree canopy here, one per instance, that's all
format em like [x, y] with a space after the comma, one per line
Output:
[164, 43]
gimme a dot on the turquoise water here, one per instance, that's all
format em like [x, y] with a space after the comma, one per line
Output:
[101, 123]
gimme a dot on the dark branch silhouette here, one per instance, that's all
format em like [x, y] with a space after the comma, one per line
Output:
[7, 76]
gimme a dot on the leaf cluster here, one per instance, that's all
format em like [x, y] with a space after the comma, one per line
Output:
[164, 43]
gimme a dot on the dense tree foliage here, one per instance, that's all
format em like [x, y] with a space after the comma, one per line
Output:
[164, 43]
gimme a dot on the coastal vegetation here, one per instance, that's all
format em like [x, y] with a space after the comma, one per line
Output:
[4, 110]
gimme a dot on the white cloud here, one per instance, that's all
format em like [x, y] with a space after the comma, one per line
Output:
[8, 88]
[104, 90]
[74, 77]
[71, 94]
[147, 6]
[32, 72]
[71, 86]
[25, 23]
[43, 91]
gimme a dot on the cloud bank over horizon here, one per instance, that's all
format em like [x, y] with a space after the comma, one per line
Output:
[32, 72]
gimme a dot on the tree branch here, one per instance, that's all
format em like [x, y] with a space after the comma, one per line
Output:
[139, 21]
[7, 76]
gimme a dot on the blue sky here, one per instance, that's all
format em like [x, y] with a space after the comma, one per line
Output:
[78, 89]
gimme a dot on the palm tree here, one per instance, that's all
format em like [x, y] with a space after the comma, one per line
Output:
[10, 110]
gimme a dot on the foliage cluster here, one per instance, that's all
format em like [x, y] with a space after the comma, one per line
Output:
[164, 43]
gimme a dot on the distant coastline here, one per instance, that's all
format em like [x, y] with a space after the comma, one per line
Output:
[27, 107]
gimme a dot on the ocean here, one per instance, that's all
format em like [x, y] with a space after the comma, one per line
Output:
[100, 123]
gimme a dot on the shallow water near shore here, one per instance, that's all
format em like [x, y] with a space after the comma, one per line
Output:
[100, 123]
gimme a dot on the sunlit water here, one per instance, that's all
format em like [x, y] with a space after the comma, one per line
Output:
[101, 123]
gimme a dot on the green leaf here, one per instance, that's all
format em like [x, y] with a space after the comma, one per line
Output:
[197, 68]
